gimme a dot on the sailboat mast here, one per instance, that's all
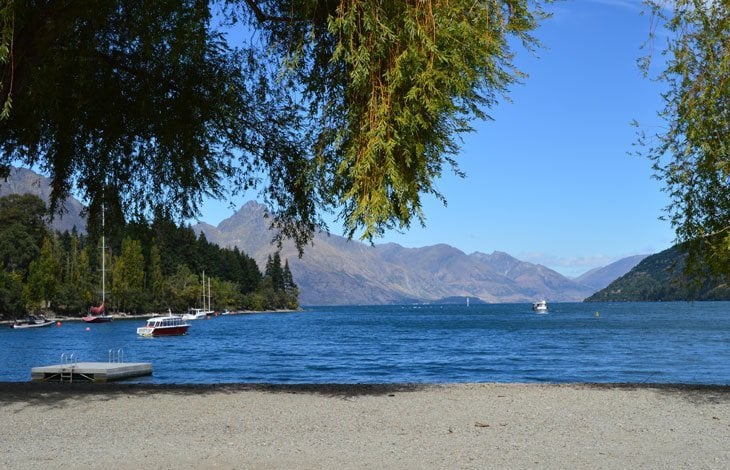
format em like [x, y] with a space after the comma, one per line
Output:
[103, 256]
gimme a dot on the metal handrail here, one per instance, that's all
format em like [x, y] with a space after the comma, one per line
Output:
[69, 359]
[116, 356]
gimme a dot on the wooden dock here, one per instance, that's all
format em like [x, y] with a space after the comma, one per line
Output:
[98, 372]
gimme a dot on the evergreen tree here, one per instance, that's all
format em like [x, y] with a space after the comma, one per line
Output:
[275, 272]
[290, 287]
[156, 283]
[44, 276]
[23, 229]
[11, 299]
[86, 281]
[75, 279]
[251, 276]
[128, 276]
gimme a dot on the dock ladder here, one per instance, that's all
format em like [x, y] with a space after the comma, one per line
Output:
[69, 362]
[116, 356]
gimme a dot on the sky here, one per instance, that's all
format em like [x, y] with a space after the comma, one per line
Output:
[552, 179]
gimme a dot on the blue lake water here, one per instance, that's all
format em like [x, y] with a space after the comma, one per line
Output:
[675, 342]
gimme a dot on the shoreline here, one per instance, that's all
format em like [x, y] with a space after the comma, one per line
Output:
[334, 388]
[134, 316]
[475, 425]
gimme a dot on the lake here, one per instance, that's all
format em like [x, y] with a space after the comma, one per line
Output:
[671, 342]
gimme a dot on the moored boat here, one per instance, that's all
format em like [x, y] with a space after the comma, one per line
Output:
[97, 318]
[201, 313]
[540, 306]
[97, 315]
[168, 325]
[195, 314]
[31, 321]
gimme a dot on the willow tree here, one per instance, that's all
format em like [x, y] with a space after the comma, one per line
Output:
[351, 106]
[691, 154]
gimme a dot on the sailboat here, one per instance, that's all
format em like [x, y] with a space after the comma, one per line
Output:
[98, 314]
[200, 313]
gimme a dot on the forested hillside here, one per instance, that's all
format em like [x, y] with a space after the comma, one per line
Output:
[150, 267]
[661, 277]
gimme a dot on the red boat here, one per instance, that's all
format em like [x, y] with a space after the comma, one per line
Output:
[97, 315]
[169, 325]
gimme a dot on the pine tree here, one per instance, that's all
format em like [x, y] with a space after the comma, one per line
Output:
[291, 288]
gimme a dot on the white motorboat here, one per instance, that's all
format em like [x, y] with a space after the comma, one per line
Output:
[540, 306]
[31, 321]
[168, 325]
[195, 314]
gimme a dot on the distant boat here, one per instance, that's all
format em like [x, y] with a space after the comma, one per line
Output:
[540, 306]
[195, 314]
[168, 325]
[201, 313]
[31, 321]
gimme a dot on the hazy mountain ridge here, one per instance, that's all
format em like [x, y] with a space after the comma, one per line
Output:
[338, 271]
[599, 278]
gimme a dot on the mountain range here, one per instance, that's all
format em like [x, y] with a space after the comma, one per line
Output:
[337, 271]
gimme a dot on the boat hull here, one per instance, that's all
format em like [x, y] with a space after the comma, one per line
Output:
[98, 318]
[20, 326]
[195, 316]
[162, 331]
[170, 325]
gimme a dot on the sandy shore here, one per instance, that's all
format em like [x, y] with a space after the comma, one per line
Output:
[359, 426]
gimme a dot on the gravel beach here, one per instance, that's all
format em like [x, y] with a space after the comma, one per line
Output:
[122, 426]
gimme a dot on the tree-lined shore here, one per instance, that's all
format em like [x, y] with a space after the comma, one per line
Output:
[149, 267]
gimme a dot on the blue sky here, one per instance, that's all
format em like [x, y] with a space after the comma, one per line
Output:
[551, 179]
